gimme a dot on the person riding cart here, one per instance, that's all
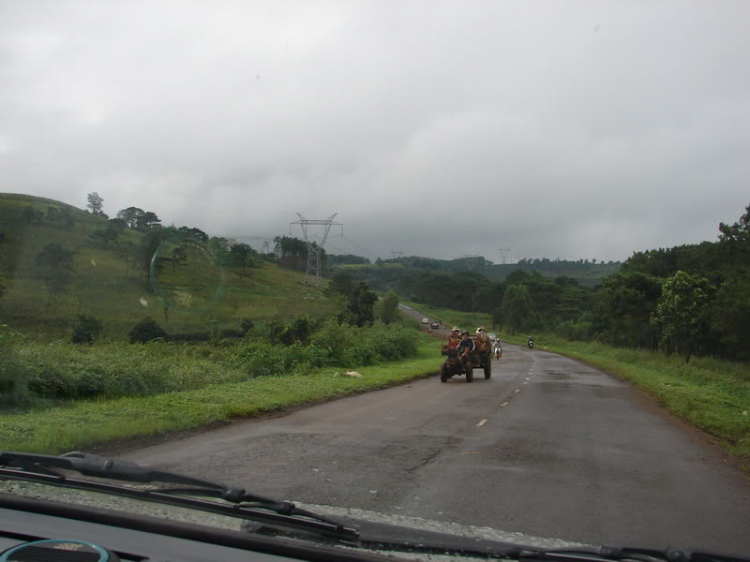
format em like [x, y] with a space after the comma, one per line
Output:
[465, 347]
[454, 338]
[483, 340]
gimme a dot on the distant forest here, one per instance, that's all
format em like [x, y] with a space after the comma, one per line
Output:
[690, 299]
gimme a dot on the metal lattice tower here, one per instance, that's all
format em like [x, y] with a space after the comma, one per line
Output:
[315, 240]
[395, 254]
[503, 254]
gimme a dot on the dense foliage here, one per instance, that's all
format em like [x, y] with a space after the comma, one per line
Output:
[691, 299]
[66, 371]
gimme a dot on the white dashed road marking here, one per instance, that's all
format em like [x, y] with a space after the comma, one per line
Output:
[481, 423]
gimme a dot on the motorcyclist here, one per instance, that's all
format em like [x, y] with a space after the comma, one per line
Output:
[530, 341]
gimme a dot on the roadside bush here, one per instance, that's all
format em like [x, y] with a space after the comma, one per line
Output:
[146, 330]
[189, 337]
[66, 371]
[85, 329]
[14, 379]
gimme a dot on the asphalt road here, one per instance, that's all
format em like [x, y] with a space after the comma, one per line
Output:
[547, 447]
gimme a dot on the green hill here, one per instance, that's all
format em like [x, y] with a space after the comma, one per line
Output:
[112, 281]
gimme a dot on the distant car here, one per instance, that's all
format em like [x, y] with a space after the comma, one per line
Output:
[434, 326]
[425, 320]
[493, 337]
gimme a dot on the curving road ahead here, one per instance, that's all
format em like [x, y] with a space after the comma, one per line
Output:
[547, 447]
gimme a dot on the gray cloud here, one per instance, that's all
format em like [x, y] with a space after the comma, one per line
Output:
[582, 129]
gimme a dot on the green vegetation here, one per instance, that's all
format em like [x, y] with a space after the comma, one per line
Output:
[62, 370]
[59, 262]
[82, 423]
[465, 320]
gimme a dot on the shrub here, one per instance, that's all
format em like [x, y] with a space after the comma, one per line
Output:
[146, 330]
[14, 379]
[85, 329]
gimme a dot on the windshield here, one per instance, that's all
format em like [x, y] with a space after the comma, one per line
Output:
[480, 264]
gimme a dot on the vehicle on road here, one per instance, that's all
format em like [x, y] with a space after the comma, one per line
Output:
[492, 336]
[477, 359]
[530, 342]
[425, 320]
[434, 326]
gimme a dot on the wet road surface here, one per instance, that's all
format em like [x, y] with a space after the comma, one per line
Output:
[547, 447]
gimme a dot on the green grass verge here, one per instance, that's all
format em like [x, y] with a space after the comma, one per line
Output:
[464, 320]
[84, 423]
[109, 284]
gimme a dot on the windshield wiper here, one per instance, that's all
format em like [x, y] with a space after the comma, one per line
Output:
[246, 505]
[286, 515]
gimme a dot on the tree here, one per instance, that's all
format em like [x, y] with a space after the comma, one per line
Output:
[731, 316]
[146, 330]
[360, 306]
[737, 236]
[219, 249]
[240, 255]
[341, 283]
[147, 221]
[390, 308]
[681, 314]
[117, 224]
[95, 203]
[517, 308]
[130, 216]
[85, 329]
[625, 306]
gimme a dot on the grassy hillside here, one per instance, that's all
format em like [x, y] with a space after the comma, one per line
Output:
[110, 281]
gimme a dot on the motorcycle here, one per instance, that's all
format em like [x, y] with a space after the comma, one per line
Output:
[530, 343]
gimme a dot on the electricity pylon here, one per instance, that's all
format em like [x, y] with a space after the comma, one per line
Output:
[315, 241]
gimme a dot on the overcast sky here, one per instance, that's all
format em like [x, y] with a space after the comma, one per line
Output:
[557, 129]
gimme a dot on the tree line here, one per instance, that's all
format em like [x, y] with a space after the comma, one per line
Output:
[691, 299]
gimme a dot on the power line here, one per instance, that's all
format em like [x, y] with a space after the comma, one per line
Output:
[315, 240]
[353, 243]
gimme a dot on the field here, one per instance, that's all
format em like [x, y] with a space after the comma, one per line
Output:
[109, 281]
[464, 320]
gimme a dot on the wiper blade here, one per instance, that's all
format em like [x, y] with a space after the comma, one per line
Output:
[38, 468]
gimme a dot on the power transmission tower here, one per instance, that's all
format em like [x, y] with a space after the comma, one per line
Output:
[395, 254]
[504, 252]
[315, 240]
